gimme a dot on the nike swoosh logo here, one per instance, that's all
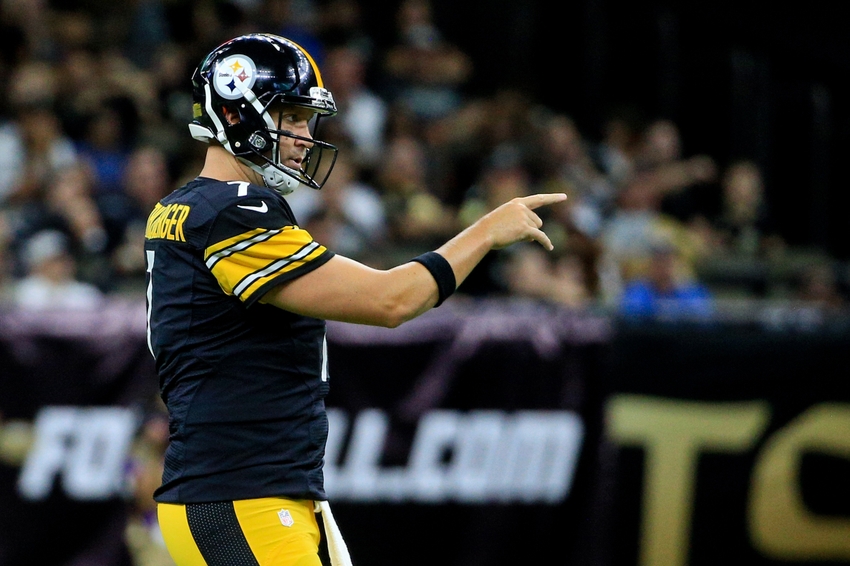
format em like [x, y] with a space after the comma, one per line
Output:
[262, 208]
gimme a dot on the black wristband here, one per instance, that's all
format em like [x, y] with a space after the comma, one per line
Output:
[442, 272]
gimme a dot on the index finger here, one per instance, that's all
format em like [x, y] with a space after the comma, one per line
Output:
[542, 199]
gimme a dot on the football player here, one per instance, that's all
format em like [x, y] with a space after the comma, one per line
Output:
[237, 298]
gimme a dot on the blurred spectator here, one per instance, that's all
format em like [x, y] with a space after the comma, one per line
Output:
[615, 153]
[50, 281]
[341, 24]
[108, 138]
[69, 205]
[296, 19]
[503, 178]
[628, 235]
[7, 266]
[418, 220]
[74, 27]
[33, 83]
[147, 179]
[422, 69]
[173, 100]
[660, 153]
[80, 87]
[530, 272]
[26, 29]
[215, 21]
[482, 131]
[147, 30]
[13, 41]
[744, 227]
[818, 285]
[94, 82]
[577, 251]
[669, 289]
[347, 216]
[566, 165]
[362, 113]
[509, 124]
[133, 93]
[96, 72]
[33, 147]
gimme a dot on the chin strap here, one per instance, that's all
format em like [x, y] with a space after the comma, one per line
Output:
[279, 181]
[273, 177]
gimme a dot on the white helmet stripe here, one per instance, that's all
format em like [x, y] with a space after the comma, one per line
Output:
[253, 101]
[219, 127]
[271, 129]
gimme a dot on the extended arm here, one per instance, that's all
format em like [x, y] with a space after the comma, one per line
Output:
[348, 291]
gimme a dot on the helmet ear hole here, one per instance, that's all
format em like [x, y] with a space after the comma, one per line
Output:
[230, 115]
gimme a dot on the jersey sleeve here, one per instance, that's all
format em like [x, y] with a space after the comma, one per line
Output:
[253, 247]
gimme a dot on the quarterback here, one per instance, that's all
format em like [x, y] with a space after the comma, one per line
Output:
[237, 298]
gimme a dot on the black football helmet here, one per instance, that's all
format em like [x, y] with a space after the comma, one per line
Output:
[247, 75]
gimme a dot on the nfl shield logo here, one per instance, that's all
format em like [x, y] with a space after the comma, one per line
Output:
[285, 518]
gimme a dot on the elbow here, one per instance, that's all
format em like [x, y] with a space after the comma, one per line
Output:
[393, 322]
[397, 312]
[400, 302]
[396, 317]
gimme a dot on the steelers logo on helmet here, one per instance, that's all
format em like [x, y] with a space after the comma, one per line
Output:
[233, 76]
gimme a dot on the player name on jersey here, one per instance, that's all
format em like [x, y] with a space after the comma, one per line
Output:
[166, 222]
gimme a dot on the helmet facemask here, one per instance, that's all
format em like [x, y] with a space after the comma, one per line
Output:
[265, 155]
[249, 77]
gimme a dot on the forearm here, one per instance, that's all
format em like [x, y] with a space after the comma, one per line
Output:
[349, 291]
[466, 250]
[415, 287]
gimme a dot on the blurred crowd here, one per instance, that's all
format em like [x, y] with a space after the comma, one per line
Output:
[93, 131]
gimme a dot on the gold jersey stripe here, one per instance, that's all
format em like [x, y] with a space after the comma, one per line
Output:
[248, 264]
[241, 242]
[237, 246]
[236, 278]
[248, 285]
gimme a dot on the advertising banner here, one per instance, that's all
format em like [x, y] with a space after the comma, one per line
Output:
[485, 432]
[730, 443]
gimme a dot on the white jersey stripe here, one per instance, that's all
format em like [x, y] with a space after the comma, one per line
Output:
[240, 246]
[273, 267]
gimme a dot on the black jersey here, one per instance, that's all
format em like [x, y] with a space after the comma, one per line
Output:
[244, 382]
